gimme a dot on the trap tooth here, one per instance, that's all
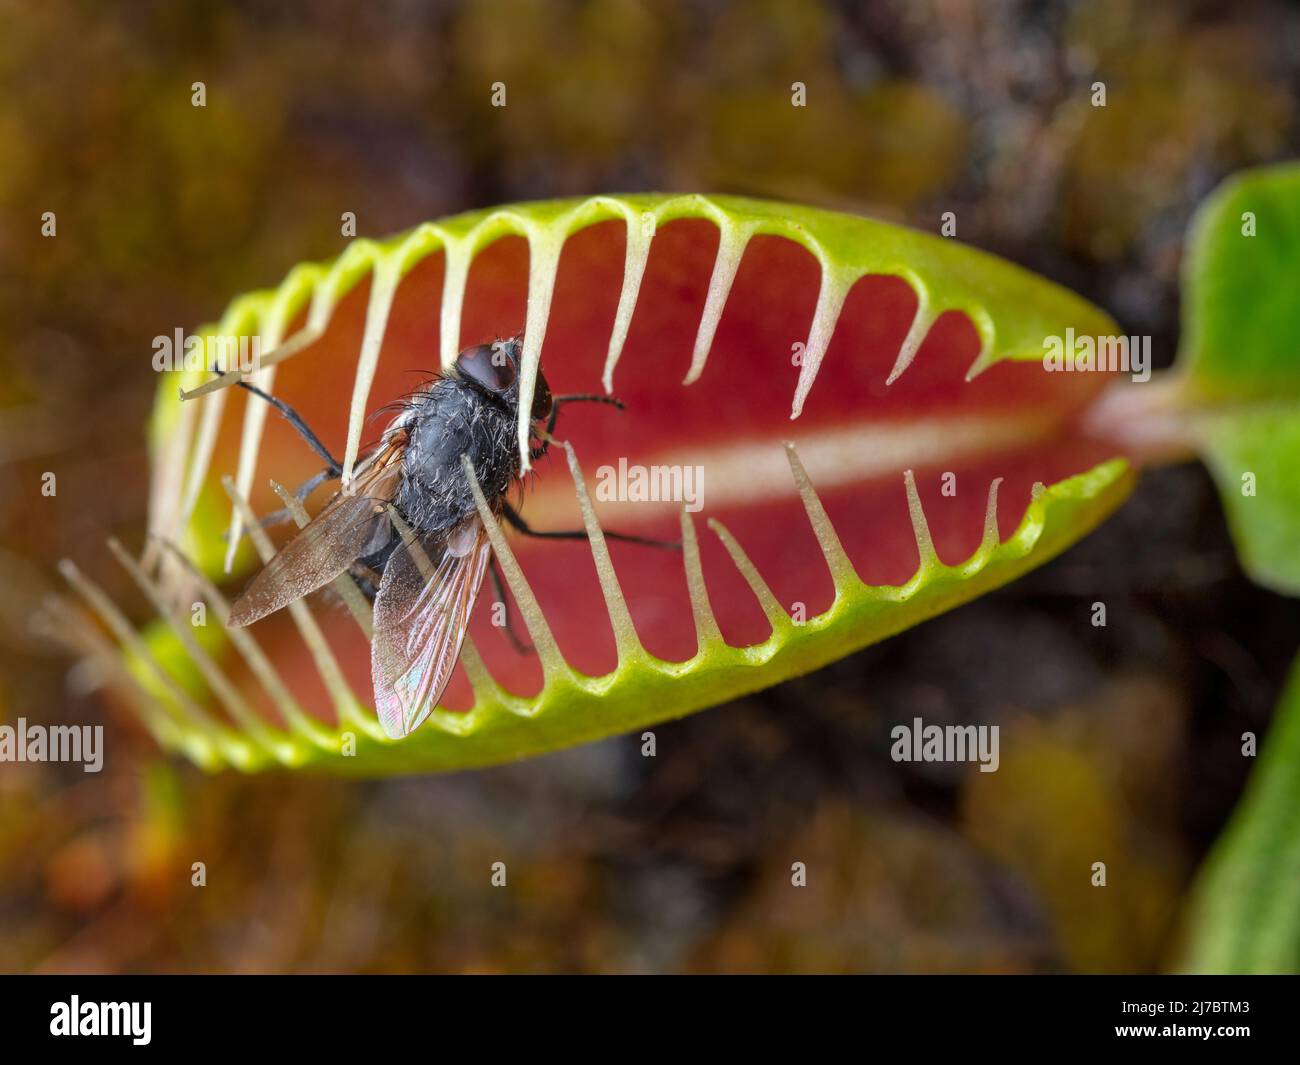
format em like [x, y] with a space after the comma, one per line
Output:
[361, 259]
[242, 319]
[305, 337]
[457, 255]
[842, 571]
[707, 633]
[548, 651]
[776, 615]
[301, 286]
[197, 731]
[620, 618]
[343, 584]
[991, 535]
[835, 287]
[640, 232]
[922, 320]
[544, 246]
[259, 665]
[920, 527]
[253, 731]
[412, 544]
[481, 682]
[732, 240]
[205, 445]
[250, 444]
[984, 327]
[345, 702]
[168, 477]
[382, 288]
[220, 382]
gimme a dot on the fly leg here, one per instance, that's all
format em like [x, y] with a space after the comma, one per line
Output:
[557, 402]
[332, 472]
[295, 419]
[279, 517]
[516, 521]
[512, 516]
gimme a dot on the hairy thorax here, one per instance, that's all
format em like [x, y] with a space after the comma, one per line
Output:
[446, 421]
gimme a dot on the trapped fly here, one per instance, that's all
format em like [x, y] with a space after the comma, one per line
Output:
[424, 588]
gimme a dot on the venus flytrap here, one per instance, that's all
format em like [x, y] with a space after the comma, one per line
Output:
[662, 299]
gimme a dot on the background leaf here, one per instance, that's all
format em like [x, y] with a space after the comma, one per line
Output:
[1241, 356]
[1263, 443]
[1245, 916]
[1241, 328]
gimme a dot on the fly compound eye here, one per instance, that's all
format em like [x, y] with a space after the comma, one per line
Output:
[489, 366]
[542, 402]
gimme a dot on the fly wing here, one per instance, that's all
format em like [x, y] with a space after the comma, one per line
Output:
[421, 613]
[352, 525]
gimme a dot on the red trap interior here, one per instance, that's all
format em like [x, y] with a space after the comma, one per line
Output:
[855, 436]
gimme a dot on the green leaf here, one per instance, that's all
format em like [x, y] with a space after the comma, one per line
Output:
[1241, 327]
[1254, 455]
[1245, 913]
[1240, 362]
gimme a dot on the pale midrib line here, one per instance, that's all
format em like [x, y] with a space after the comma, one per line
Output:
[755, 471]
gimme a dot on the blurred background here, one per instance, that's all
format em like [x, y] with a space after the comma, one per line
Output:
[1122, 746]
